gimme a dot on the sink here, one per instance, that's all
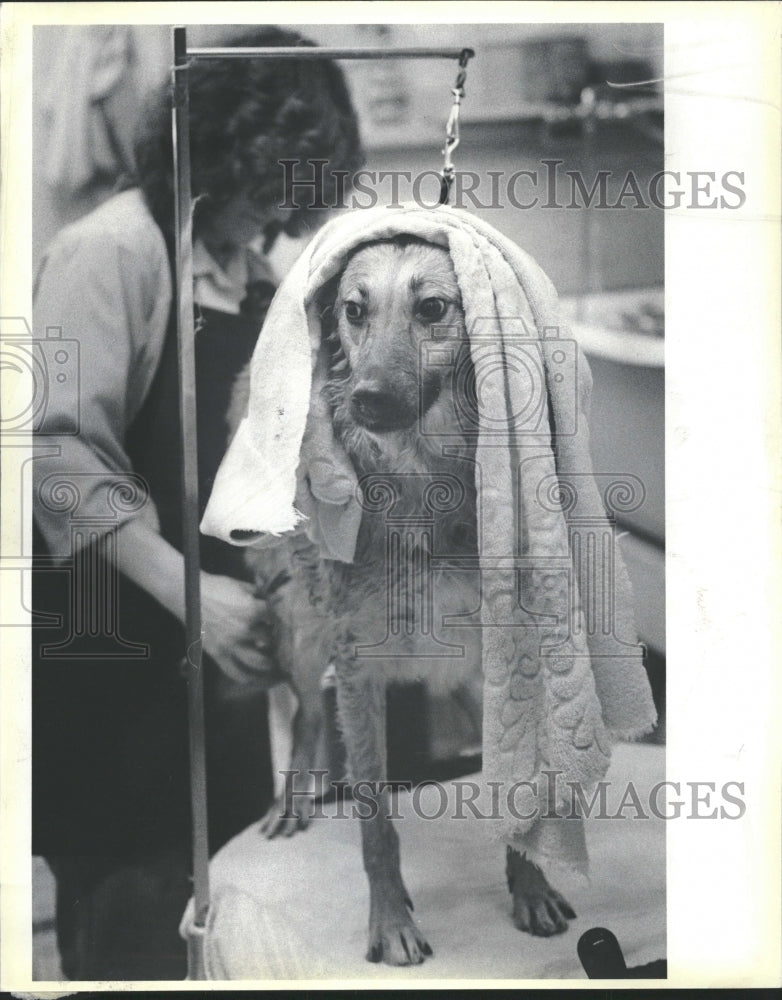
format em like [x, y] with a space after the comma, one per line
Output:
[627, 327]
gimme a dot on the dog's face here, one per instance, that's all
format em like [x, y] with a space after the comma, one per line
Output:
[388, 299]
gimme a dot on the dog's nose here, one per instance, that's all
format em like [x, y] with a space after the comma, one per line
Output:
[377, 407]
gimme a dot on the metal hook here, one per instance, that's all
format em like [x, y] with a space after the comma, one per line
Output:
[452, 137]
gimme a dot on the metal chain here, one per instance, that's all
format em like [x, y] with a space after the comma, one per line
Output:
[452, 136]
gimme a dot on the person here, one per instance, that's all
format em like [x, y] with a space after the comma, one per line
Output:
[110, 780]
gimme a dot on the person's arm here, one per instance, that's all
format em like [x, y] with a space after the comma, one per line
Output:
[105, 283]
[109, 290]
[234, 627]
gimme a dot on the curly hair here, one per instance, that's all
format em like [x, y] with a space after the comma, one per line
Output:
[247, 115]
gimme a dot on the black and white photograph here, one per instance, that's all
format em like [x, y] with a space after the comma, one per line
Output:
[390, 497]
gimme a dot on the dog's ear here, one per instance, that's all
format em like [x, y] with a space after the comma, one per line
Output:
[329, 331]
[325, 299]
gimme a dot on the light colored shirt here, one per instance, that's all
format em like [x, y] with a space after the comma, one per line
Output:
[106, 282]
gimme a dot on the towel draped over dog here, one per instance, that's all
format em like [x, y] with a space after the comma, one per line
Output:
[563, 673]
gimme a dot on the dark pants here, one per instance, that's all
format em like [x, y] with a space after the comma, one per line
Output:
[111, 812]
[118, 914]
[118, 921]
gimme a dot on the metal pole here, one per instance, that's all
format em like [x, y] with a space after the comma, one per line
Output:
[183, 225]
[313, 52]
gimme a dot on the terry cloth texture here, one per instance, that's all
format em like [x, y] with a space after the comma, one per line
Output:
[563, 674]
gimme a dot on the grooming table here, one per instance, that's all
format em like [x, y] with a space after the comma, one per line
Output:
[297, 908]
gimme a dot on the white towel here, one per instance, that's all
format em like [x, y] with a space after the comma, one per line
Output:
[563, 671]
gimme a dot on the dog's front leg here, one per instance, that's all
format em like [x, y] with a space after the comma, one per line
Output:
[393, 937]
[294, 802]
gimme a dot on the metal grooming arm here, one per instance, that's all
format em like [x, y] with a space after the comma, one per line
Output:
[183, 292]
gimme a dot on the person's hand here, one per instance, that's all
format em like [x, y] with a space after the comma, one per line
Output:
[236, 630]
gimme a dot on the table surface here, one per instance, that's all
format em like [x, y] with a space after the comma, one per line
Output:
[296, 909]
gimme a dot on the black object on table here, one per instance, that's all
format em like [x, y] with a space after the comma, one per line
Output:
[602, 958]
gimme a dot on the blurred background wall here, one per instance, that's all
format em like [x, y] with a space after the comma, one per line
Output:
[524, 79]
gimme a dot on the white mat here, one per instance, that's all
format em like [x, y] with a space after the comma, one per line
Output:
[298, 908]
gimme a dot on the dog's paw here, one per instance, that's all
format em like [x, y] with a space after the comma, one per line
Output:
[397, 943]
[394, 938]
[284, 818]
[537, 908]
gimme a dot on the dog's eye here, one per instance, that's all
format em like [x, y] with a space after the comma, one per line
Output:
[354, 311]
[430, 310]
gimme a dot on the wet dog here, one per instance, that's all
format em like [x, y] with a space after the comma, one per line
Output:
[400, 377]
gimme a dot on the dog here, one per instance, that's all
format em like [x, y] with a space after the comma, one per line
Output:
[375, 618]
